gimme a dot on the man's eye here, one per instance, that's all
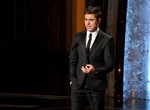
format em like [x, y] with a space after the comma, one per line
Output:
[91, 19]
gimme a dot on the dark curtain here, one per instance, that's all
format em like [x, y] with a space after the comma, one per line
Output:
[33, 55]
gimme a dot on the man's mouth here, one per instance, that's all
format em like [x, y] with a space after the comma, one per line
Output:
[88, 26]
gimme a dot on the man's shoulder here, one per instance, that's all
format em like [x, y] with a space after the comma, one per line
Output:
[105, 35]
[78, 36]
[80, 33]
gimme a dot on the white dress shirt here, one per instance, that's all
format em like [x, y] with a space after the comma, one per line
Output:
[94, 34]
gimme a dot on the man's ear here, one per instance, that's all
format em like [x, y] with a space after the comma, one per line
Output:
[99, 20]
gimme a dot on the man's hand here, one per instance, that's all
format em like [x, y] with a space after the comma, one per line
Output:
[88, 69]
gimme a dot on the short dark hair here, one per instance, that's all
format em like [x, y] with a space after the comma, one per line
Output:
[94, 10]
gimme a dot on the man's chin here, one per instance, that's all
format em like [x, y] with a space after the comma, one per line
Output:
[89, 30]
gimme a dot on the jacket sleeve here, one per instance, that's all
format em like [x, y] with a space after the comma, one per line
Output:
[108, 65]
[73, 59]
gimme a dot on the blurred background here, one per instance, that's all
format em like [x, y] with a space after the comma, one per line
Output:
[35, 42]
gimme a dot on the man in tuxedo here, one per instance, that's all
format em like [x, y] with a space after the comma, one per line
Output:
[91, 58]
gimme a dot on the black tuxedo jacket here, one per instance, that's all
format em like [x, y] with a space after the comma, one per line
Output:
[101, 57]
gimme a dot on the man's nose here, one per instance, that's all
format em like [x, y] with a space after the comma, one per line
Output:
[88, 22]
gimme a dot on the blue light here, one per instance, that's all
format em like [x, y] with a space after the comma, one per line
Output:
[136, 77]
[148, 85]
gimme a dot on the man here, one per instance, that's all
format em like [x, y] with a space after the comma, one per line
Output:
[89, 63]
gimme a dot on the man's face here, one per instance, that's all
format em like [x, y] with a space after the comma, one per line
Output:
[91, 23]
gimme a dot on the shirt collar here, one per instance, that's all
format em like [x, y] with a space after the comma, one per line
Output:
[93, 33]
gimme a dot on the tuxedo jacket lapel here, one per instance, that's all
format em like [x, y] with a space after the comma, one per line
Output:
[83, 41]
[96, 42]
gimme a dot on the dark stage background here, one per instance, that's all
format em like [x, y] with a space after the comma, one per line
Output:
[33, 42]
[35, 38]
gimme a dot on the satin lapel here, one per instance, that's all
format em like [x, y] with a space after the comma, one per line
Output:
[83, 38]
[96, 42]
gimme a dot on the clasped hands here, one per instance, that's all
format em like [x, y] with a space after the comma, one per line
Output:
[88, 69]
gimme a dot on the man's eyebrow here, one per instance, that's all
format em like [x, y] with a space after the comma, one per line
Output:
[90, 18]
